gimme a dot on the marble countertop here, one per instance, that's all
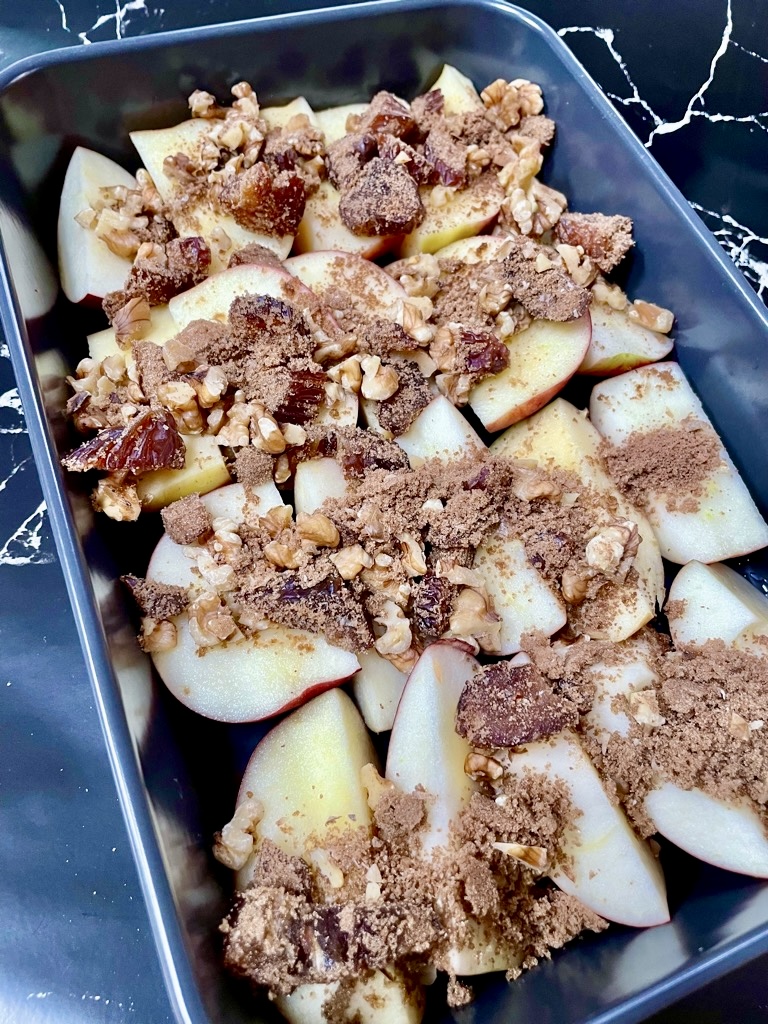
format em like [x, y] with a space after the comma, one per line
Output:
[692, 81]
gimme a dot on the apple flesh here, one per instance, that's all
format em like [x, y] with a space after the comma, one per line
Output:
[333, 121]
[204, 470]
[248, 678]
[322, 228]
[709, 602]
[377, 689]
[278, 117]
[725, 522]
[161, 329]
[542, 359]
[424, 748]
[477, 249]
[316, 480]
[620, 344]
[561, 437]
[459, 94]
[465, 212]
[609, 869]
[198, 217]
[728, 834]
[211, 299]
[520, 596]
[378, 998]
[371, 289]
[87, 266]
[439, 432]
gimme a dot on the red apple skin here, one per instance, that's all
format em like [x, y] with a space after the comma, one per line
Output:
[528, 408]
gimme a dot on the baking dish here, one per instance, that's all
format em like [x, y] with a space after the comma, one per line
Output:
[177, 774]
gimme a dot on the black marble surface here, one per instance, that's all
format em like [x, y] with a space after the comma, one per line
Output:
[691, 78]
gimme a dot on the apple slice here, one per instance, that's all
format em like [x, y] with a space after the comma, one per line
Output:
[342, 412]
[377, 689]
[542, 359]
[161, 329]
[620, 344]
[333, 121]
[204, 470]
[424, 748]
[725, 521]
[476, 249]
[316, 480]
[322, 228]
[439, 432]
[714, 602]
[220, 230]
[559, 436]
[465, 212]
[211, 299]
[519, 594]
[278, 117]
[728, 834]
[87, 266]
[306, 775]
[373, 291]
[459, 94]
[608, 868]
[249, 678]
[379, 998]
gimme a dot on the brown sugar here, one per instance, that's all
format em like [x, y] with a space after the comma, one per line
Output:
[253, 467]
[606, 240]
[187, 520]
[396, 414]
[383, 199]
[505, 705]
[546, 294]
[160, 601]
[669, 462]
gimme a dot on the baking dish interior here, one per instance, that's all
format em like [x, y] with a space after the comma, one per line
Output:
[178, 773]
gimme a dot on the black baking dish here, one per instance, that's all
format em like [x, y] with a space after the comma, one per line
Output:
[177, 774]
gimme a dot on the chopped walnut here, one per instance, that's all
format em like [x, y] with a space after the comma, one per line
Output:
[210, 621]
[507, 102]
[609, 294]
[318, 529]
[479, 766]
[655, 318]
[375, 786]
[350, 561]
[267, 435]
[412, 557]
[533, 856]
[574, 585]
[397, 635]
[644, 708]
[419, 275]
[234, 844]
[613, 547]
[530, 484]
[157, 636]
[379, 381]
[285, 552]
[117, 499]
[180, 398]
[131, 321]
[473, 617]
[577, 263]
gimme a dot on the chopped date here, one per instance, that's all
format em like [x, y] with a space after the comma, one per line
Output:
[386, 113]
[253, 315]
[306, 390]
[263, 203]
[482, 353]
[432, 601]
[150, 441]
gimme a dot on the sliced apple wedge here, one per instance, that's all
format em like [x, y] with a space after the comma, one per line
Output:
[620, 344]
[204, 470]
[379, 998]
[222, 232]
[87, 266]
[161, 328]
[714, 602]
[316, 480]
[371, 289]
[728, 834]
[249, 678]
[519, 594]
[322, 228]
[560, 436]
[724, 521]
[465, 212]
[377, 689]
[459, 94]
[333, 121]
[424, 748]
[542, 359]
[305, 773]
[476, 249]
[439, 432]
[278, 117]
[211, 299]
[607, 867]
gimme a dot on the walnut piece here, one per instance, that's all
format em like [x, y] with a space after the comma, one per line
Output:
[350, 561]
[318, 529]
[157, 636]
[533, 856]
[210, 622]
[397, 635]
[117, 499]
[507, 102]
[644, 708]
[234, 844]
[379, 381]
[479, 766]
[655, 318]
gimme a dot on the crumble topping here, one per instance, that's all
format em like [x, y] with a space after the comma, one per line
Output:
[606, 240]
[187, 520]
[543, 289]
[382, 199]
